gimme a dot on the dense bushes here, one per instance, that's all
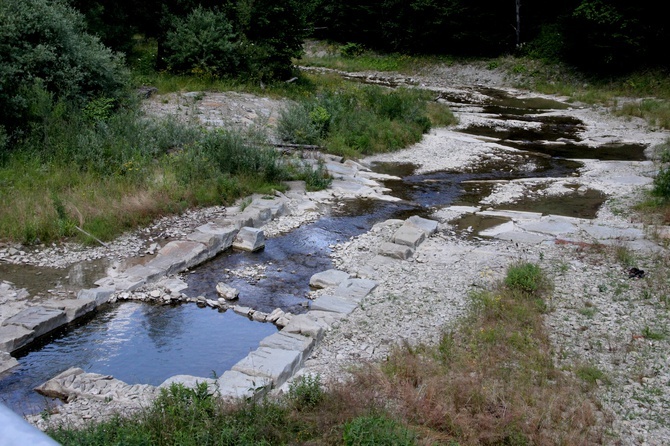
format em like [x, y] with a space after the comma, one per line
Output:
[358, 120]
[45, 55]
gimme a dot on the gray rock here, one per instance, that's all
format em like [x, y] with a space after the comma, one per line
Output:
[99, 295]
[289, 341]
[303, 324]
[408, 235]
[13, 337]
[249, 239]
[216, 236]
[328, 278]
[429, 227]
[273, 363]
[190, 382]
[355, 289]
[7, 362]
[334, 304]
[226, 291]
[39, 319]
[74, 308]
[395, 251]
[179, 255]
[235, 385]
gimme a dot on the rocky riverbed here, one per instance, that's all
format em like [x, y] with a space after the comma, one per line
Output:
[601, 314]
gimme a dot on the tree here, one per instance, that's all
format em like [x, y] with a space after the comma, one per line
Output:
[45, 52]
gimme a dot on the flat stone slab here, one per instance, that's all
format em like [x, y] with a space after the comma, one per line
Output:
[602, 232]
[355, 289]
[515, 215]
[554, 227]
[249, 239]
[395, 251]
[429, 227]
[333, 304]
[215, 236]
[523, 237]
[328, 278]
[99, 295]
[307, 326]
[273, 363]
[179, 255]
[13, 337]
[74, 308]
[409, 236]
[7, 362]
[508, 226]
[235, 385]
[288, 341]
[39, 319]
[190, 382]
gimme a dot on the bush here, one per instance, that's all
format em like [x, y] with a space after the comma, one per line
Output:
[45, 51]
[202, 43]
[526, 277]
[305, 392]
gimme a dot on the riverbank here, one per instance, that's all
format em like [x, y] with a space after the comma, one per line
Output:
[600, 316]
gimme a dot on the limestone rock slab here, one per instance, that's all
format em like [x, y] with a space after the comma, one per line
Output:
[249, 239]
[355, 289]
[303, 324]
[99, 295]
[39, 319]
[216, 236]
[429, 227]
[328, 278]
[237, 385]
[288, 341]
[273, 363]
[334, 304]
[13, 337]
[7, 362]
[179, 255]
[190, 382]
[396, 251]
[408, 235]
[73, 308]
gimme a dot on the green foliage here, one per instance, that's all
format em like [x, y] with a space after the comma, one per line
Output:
[306, 392]
[526, 277]
[591, 374]
[45, 52]
[377, 430]
[357, 119]
[202, 43]
[352, 49]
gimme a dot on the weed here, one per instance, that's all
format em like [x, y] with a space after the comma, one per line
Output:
[526, 277]
[588, 311]
[624, 256]
[305, 392]
[377, 430]
[591, 375]
[652, 335]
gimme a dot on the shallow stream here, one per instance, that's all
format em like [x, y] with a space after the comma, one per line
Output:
[143, 343]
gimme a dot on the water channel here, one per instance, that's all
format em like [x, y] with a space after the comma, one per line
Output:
[143, 343]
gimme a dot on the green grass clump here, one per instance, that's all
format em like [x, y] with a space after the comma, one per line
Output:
[377, 430]
[526, 277]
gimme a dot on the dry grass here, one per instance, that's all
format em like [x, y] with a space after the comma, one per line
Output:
[491, 380]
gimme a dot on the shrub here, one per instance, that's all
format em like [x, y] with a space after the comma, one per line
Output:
[46, 51]
[305, 392]
[526, 277]
[202, 43]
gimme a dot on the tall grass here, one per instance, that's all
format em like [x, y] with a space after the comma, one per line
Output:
[116, 171]
[356, 120]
